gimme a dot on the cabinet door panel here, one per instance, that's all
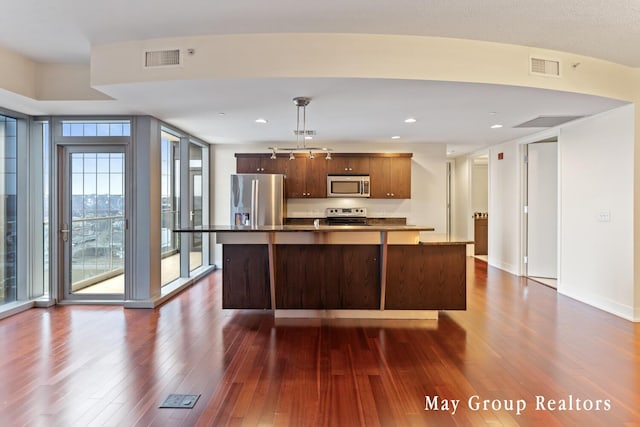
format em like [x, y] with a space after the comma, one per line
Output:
[277, 165]
[316, 177]
[348, 165]
[248, 164]
[400, 177]
[338, 166]
[327, 277]
[295, 183]
[424, 277]
[299, 277]
[352, 277]
[245, 277]
[379, 170]
[359, 165]
[390, 177]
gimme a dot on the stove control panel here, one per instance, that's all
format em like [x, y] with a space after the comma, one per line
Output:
[346, 212]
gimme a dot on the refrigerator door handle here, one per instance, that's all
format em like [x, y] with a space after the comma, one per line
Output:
[254, 202]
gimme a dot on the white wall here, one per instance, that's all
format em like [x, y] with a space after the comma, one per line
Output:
[427, 205]
[480, 188]
[461, 200]
[596, 176]
[505, 207]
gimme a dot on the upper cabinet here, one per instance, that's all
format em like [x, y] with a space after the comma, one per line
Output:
[344, 164]
[390, 177]
[307, 178]
[259, 163]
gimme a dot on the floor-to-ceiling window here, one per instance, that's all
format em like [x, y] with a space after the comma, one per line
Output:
[184, 203]
[8, 209]
[195, 204]
[46, 183]
[91, 204]
[170, 206]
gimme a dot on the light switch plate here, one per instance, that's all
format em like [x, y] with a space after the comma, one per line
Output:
[604, 216]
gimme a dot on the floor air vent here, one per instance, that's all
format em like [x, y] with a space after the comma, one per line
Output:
[184, 401]
[544, 67]
[162, 58]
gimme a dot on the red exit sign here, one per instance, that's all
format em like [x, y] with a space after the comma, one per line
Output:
[500, 156]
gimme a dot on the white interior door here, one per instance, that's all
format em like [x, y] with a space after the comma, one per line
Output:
[542, 226]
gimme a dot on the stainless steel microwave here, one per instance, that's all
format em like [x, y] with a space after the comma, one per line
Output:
[348, 186]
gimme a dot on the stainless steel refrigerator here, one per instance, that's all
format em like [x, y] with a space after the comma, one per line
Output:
[257, 199]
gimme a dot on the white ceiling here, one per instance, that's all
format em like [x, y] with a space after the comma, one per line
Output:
[63, 31]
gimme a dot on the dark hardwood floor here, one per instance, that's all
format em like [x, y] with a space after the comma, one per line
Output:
[517, 341]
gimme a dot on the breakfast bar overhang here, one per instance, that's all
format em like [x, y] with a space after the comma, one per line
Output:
[340, 271]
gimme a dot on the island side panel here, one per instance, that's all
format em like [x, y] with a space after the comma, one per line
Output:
[245, 276]
[426, 277]
[327, 276]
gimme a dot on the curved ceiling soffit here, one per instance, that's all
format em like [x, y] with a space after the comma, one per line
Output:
[358, 56]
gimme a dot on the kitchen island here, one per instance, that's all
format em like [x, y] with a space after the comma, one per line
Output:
[374, 271]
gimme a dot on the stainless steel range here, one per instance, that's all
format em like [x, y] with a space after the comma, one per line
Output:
[346, 216]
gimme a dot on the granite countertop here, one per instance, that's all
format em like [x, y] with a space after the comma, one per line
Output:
[297, 228]
[442, 242]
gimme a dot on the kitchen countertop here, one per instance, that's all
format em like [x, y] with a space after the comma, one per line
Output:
[302, 228]
[443, 242]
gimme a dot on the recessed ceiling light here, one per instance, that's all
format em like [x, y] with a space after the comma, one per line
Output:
[221, 114]
[493, 113]
[496, 126]
[261, 121]
[395, 137]
[410, 120]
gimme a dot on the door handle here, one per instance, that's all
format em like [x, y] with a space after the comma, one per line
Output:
[65, 233]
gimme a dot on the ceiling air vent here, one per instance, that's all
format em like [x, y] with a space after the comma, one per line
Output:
[162, 58]
[544, 67]
[547, 121]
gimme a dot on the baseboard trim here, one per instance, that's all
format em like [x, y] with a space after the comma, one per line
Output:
[13, 308]
[611, 307]
[172, 289]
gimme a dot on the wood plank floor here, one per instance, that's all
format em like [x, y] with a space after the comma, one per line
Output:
[81, 366]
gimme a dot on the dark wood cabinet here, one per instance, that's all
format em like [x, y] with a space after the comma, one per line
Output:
[327, 277]
[245, 282]
[426, 277]
[260, 163]
[344, 164]
[345, 276]
[306, 178]
[481, 236]
[390, 177]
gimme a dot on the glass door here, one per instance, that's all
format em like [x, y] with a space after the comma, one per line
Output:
[195, 204]
[93, 222]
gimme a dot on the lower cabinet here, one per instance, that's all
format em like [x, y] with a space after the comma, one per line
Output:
[333, 276]
[426, 277]
[327, 276]
[245, 278]
[481, 236]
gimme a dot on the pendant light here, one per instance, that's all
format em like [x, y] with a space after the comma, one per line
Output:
[301, 133]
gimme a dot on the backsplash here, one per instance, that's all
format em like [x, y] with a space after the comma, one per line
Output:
[315, 208]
